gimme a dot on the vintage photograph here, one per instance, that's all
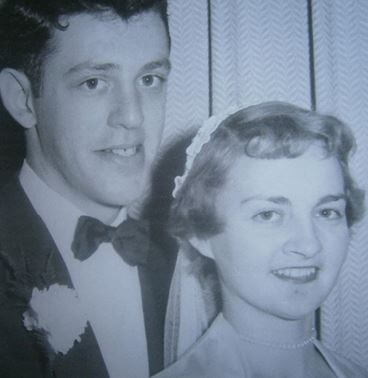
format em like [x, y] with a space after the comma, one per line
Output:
[183, 188]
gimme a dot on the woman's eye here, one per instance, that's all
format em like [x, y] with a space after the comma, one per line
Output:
[330, 214]
[267, 216]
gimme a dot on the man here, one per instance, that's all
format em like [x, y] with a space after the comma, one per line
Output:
[87, 82]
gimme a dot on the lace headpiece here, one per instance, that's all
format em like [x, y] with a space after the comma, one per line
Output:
[202, 137]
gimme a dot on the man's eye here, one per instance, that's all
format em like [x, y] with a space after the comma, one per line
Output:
[93, 84]
[267, 216]
[152, 81]
[330, 214]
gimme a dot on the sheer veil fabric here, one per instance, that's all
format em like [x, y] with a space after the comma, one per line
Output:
[194, 301]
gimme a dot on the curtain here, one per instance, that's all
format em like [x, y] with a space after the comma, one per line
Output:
[341, 77]
[313, 53]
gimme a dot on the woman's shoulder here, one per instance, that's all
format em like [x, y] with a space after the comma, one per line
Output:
[343, 367]
[214, 355]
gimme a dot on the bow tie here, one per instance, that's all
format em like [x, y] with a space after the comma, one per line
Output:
[130, 239]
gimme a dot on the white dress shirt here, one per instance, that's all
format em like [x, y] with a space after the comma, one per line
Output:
[108, 288]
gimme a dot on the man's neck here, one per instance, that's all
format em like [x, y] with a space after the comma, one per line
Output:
[106, 214]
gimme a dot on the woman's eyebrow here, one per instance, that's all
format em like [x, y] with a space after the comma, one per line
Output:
[331, 198]
[279, 200]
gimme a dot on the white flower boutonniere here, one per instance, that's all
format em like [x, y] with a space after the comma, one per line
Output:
[57, 311]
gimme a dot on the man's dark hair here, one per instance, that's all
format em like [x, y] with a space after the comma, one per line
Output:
[26, 27]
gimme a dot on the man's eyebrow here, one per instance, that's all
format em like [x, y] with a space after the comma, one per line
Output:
[331, 198]
[163, 63]
[91, 66]
[279, 200]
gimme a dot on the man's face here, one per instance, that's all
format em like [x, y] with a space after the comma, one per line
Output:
[101, 109]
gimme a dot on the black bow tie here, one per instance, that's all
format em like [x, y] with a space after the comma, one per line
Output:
[130, 239]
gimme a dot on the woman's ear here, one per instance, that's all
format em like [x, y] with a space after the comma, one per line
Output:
[203, 246]
[17, 97]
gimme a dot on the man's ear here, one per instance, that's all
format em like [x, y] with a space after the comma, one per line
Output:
[203, 246]
[17, 97]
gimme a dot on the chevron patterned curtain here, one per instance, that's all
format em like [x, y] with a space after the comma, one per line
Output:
[313, 53]
[341, 77]
[188, 90]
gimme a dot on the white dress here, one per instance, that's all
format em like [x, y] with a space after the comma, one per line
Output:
[217, 355]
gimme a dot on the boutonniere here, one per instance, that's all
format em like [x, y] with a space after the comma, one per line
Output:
[57, 313]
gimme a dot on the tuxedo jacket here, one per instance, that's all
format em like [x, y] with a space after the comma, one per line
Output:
[30, 259]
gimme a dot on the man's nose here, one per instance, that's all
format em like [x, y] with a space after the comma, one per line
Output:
[303, 239]
[126, 110]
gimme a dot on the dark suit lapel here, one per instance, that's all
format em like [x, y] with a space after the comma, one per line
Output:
[154, 278]
[32, 258]
[35, 257]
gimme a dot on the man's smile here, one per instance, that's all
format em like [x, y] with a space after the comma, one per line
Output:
[125, 151]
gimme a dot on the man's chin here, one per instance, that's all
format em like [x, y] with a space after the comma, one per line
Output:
[117, 193]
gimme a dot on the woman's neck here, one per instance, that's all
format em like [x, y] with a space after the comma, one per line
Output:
[286, 343]
[259, 325]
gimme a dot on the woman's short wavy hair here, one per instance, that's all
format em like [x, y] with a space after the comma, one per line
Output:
[270, 130]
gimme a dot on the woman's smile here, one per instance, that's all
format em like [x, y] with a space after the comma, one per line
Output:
[298, 275]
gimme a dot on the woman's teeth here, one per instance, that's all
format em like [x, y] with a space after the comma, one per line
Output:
[301, 275]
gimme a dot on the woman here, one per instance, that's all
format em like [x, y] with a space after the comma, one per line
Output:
[268, 196]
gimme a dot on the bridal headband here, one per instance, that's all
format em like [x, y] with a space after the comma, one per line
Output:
[202, 137]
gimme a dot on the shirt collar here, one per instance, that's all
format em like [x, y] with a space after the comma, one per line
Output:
[59, 214]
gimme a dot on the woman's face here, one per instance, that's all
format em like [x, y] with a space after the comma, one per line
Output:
[285, 236]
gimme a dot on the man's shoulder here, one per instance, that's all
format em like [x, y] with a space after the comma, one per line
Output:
[20, 227]
[28, 253]
[15, 345]
[30, 259]
[9, 191]
[14, 204]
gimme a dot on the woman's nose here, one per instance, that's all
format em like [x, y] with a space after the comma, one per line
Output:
[303, 239]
